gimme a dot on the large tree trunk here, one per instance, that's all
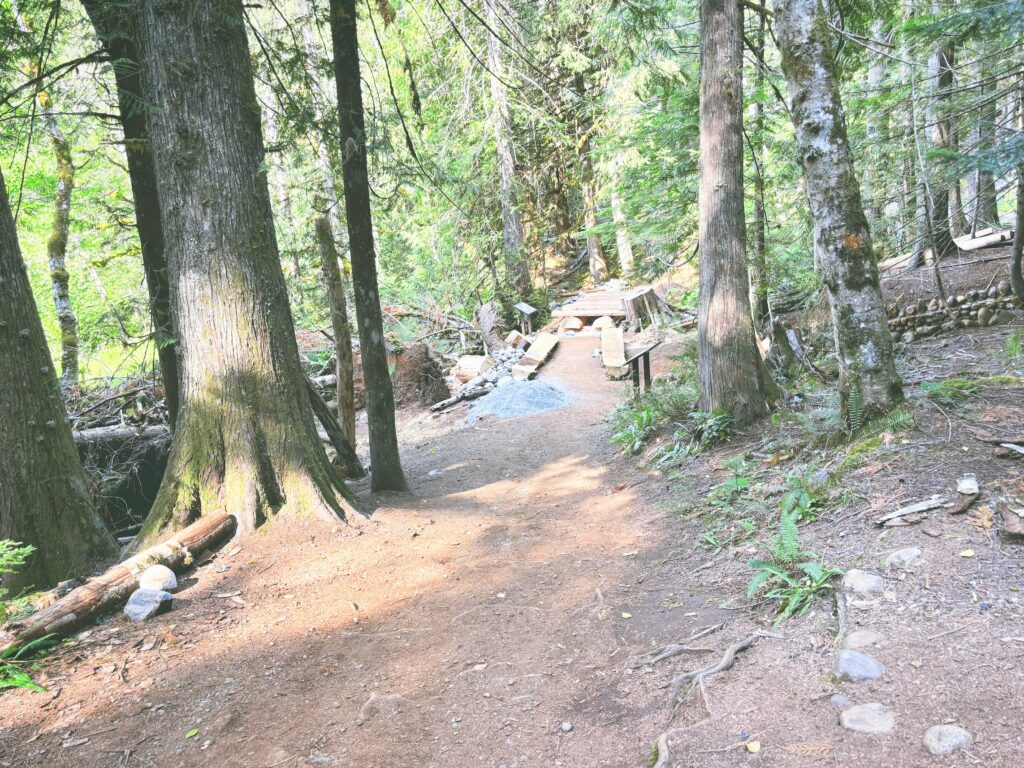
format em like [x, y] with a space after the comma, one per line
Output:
[940, 135]
[733, 376]
[868, 382]
[114, 31]
[334, 282]
[245, 442]
[759, 278]
[623, 246]
[588, 190]
[874, 129]
[986, 205]
[517, 270]
[385, 464]
[44, 495]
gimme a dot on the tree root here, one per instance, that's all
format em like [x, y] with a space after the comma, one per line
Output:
[690, 680]
[840, 617]
[670, 650]
[664, 758]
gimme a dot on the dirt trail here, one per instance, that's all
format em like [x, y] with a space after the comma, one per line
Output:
[485, 620]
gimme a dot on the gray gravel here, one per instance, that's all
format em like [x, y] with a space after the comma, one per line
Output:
[518, 398]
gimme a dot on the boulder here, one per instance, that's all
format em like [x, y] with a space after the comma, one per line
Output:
[856, 667]
[943, 740]
[146, 603]
[862, 583]
[868, 718]
[158, 578]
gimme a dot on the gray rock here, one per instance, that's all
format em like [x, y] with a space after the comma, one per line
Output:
[942, 740]
[474, 383]
[868, 718]
[903, 558]
[566, 727]
[504, 380]
[861, 638]
[855, 667]
[819, 479]
[146, 603]
[862, 583]
[984, 316]
[839, 701]
[158, 578]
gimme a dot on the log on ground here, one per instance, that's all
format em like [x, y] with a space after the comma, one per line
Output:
[109, 590]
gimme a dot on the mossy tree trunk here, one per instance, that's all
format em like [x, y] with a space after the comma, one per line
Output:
[245, 441]
[759, 262]
[57, 252]
[940, 138]
[44, 493]
[334, 282]
[733, 376]
[114, 31]
[868, 381]
[385, 463]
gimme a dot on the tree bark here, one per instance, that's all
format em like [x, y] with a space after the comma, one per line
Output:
[517, 269]
[114, 31]
[385, 464]
[56, 252]
[868, 381]
[623, 246]
[246, 443]
[334, 282]
[44, 493]
[986, 204]
[940, 135]
[733, 376]
[759, 281]
[584, 130]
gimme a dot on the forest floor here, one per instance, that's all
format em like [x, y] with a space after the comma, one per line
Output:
[493, 617]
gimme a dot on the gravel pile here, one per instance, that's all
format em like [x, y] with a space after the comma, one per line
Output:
[518, 398]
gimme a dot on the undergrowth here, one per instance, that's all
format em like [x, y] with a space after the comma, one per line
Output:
[16, 664]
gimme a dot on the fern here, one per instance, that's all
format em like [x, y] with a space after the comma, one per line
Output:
[785, 546]
[855, 406]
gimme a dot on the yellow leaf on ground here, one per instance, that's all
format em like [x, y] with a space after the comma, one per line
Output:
[627, 615]
[753, 747]
[967, 553]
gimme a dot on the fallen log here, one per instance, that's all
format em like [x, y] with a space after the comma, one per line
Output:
[109, 590]
[119, 434]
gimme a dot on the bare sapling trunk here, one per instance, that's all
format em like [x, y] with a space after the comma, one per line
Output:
[246, 443]
[986, 205]
[385, 465]
[44, 493]
[117, 38]
[733, 376]
[517, 269]
[585, 129]
[868, 381]
[1016, 276]
[334, 282]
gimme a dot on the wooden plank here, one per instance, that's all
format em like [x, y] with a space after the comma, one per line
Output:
[613, 348]
[523, 371]
[541, 349]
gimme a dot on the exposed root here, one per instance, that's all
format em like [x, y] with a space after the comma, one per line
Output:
[690, 680]
[664, 758]
[671, 650]
[840, 617]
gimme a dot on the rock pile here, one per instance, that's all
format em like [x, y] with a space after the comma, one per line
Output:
[975, 309]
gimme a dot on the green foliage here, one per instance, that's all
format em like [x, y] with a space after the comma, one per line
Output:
[802, 494]
[791, 575]
[1014, 348]
[12, 557]
[724, 495]
[957, 388]
[631, 429]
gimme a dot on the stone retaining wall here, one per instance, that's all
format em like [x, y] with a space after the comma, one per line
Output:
[975, 309]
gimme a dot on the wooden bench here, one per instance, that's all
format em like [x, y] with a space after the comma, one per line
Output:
[633, 360]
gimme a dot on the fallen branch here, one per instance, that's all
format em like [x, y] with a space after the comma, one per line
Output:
[346, 453]
[695, 677]
[964, 504]
[840, 617]
[469, 394]
[112, 588]
[921, 506]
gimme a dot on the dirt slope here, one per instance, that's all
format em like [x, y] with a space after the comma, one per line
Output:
[490, 618]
